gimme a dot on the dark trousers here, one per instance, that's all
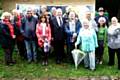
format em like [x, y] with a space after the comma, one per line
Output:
[100, 50]
[112, 56]
[45, 55]
[59, 49]
[8, 54]
[70, 47]
[21, 48]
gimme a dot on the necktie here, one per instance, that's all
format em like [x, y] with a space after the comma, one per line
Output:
[60, 21]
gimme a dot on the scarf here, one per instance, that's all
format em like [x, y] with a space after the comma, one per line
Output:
[18, 21]
[10, 26]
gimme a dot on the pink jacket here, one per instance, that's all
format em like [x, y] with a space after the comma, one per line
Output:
[39, 33]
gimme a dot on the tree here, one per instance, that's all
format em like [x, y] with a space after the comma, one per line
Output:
[1, 7]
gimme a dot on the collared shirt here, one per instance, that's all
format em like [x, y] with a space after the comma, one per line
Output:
[43, 28]
[58, 20]
[72, 26]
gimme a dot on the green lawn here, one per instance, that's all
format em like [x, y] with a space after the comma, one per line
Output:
[24, 70]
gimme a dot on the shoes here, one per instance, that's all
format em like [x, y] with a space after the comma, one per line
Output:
[86, 67]
[10, 63]
[97, 62]
[93, 69]
[29, 61]
[45, 63]
[58, 62]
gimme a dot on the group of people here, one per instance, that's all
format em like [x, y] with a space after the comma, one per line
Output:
[32, 31]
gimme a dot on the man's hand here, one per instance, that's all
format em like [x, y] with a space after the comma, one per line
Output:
[75, 46]
[74, 35]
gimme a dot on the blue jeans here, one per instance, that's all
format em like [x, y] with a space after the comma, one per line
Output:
[31, 50]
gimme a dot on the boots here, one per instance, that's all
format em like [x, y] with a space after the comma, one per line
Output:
[8, 57]
[45, 59]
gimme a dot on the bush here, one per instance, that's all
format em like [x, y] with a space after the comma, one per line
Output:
[1, 11]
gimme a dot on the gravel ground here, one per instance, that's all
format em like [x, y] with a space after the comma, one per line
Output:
[72, 78]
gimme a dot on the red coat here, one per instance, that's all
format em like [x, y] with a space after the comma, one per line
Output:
[39, 33]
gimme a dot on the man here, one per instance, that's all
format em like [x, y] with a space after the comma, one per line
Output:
[72, 28]
[58, 35]
[92, 21]
[101, 14]
[52, 16]
[28, 30]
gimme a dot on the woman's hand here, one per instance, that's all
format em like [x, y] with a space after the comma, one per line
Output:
[14, 36]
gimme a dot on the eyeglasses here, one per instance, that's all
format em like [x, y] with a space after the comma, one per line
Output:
[101, 11]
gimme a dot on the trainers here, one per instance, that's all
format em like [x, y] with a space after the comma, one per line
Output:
[93, 69]
[43, 63]
[46, 63]
[100, 62]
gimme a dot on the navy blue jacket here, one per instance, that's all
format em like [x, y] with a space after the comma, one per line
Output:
[28, 28]
[58, 31]
[69, 34]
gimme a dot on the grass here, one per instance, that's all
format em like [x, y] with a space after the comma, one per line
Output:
[23, 70]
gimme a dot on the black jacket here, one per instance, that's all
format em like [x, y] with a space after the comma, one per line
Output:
[58, 31]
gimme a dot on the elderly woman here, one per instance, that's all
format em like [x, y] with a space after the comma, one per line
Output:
[72, 28]
[88, 40]
[114, 41]
[8, 37]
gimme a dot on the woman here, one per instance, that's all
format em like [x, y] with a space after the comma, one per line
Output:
[19, 37]
[101, 35]
[88, 40]
[43, 32]
[114, 41]
[8, 37]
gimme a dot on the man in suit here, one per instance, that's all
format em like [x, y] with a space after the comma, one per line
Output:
[52, 16]
[58, 35]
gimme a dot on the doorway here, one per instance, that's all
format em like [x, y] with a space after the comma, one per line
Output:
[112, 6]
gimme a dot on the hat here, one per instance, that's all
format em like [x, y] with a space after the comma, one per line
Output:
[101, 9]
